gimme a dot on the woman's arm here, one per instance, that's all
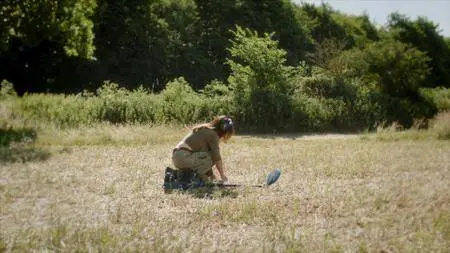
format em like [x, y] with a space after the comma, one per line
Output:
[219, 166]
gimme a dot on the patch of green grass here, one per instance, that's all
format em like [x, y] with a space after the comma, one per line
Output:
[10, 135]
[442, 224]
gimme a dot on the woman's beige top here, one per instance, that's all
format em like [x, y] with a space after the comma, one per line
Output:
[204, 139]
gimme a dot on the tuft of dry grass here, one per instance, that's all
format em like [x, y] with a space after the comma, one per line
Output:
[441, 126]
[438, 129]
[108, 134]
[334, 195]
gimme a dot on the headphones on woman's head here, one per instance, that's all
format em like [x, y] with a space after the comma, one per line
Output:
[226, 124]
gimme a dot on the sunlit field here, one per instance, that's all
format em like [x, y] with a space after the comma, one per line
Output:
[96, 94]
[99, 189]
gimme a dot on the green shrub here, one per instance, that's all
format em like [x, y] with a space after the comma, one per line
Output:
[310, 114]
[119, 105]
[440, 96]
[61, 110]
[180, 103]
[218, 99]
[323, 85]
[380, 83]
[7, 90]
[397, 69]
[142, 107]
[367, 108]
[216, 89]
[260, 81]
[331, 103]
[111, 104]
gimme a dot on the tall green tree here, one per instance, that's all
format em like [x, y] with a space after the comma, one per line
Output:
[325, 23]
[359, 29]
[424, 35]
[331, 31]
[218, 17]
[67, 22]
[398, 69]
[322, 25]
[392, 73]
[151, 42]
[260, 80]
[279, 17]
[132, 42]
[41, 40]
[186, 55]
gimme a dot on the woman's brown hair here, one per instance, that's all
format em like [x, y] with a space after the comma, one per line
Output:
[223, 125]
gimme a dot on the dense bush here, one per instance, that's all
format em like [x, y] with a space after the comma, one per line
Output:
[119, 105]
[260, 80]
[386, 74]
[323, 102]
[334, 105]
[110, 104]
[61, 110]
[178, 103]
[440, 96]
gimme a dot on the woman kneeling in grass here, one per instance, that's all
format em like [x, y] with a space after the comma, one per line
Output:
[199, 151]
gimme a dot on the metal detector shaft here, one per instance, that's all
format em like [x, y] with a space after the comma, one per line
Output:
[272, 177]
[237, 185]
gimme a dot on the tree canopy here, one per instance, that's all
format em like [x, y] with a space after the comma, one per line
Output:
[69, 46]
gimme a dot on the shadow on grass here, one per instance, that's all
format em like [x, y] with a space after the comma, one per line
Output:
[22, 154]
[208, 192]
[10, 135]
[16, 146]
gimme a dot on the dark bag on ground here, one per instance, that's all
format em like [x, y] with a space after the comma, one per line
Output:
[182, 180]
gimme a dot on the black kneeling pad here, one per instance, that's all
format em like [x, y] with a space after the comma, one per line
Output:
[177, 179]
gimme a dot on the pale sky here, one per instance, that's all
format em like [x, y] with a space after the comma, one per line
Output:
[437, 11]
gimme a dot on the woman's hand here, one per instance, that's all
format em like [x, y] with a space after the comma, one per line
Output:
[219, 167]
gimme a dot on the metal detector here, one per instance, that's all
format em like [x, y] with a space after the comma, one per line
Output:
[272, 177]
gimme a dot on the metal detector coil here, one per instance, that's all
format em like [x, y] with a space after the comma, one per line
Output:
[273, 176]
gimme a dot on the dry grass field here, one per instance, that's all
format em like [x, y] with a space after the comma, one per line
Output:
[99, 189]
